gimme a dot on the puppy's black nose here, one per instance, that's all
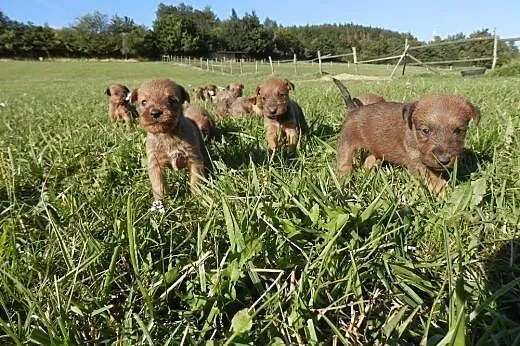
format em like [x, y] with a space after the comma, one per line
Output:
[155, 113]
[444, 159]
[272, 110]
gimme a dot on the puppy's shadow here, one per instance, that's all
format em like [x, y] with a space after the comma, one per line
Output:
[323, 131]
[499, 317]
[469, 163]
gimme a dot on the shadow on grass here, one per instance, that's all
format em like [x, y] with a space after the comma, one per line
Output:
[499, 318]
[469, 163]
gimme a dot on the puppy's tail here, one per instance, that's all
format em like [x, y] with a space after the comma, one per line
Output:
[349, 103]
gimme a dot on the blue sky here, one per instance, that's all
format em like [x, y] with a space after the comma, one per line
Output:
[421, 18]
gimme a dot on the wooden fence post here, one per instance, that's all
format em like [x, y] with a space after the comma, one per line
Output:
[354, 54]
[207, 64]
[271, 64]
[295, 69]
[256, 66]
[319, 63]
[495, 51]
[241, 67]
[231, 66]
[406, 46]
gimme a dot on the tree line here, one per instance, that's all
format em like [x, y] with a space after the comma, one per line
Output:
[183, 30]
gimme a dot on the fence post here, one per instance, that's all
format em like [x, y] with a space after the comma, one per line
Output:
[495, 51]
[207, 64]
[256, 66]
[201, 63]
[271, 64]
[231, 66]
[319, 63]
[295, 69]
[403, 56]
[354, 54]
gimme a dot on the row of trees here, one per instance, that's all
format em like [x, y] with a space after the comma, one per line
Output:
[183, 30]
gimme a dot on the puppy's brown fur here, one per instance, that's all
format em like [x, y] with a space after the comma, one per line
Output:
[425, 136]
[225, 99]
[172, 140]
[202, 119]
[235, 90]
[280, 112]
[199, 93]
[119, 109]
[243, 106]
[210, 92]
[368, 99]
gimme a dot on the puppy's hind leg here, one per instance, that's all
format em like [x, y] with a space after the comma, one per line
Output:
[127, 119]
[344, 156]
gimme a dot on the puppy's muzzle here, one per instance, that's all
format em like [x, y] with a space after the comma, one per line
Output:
[155, 113]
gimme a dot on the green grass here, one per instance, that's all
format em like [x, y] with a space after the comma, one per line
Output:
[270, 252]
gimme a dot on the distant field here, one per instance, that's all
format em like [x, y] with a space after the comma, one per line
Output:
[272, 253]
[306, 68]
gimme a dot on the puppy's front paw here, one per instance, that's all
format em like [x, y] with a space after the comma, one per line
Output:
[439, 189]
[158, 207]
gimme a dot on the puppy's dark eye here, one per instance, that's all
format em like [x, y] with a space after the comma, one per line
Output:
[425, 131]
[173, 101]
[264, 98]
[143, 102]
[459, 131]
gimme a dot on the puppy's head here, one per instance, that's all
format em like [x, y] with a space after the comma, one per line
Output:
[198, 92]
[211, 89]
[235, 89]
[117, 93]
[439, 123]
[368, 99]
[159, 104]
[272, 97]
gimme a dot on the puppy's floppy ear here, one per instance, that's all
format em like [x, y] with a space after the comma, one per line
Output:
[474, 112]
[184, 94]
[357, 102]
[290, 84]
[133, 97]
[408, 109]
[255, 96]
[126, 89]
[107, 91]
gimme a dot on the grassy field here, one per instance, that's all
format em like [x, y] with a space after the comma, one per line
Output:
[270, 252]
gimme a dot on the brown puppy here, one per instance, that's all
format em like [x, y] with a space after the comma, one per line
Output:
[243, 106]
[225, 99]
[202, 119]
[210, 91]
[368, 99]
[199, 93]
[280, 112]
[119, 109]
[425, 136]
[235, 90]
[172, 140]
[362, 100]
